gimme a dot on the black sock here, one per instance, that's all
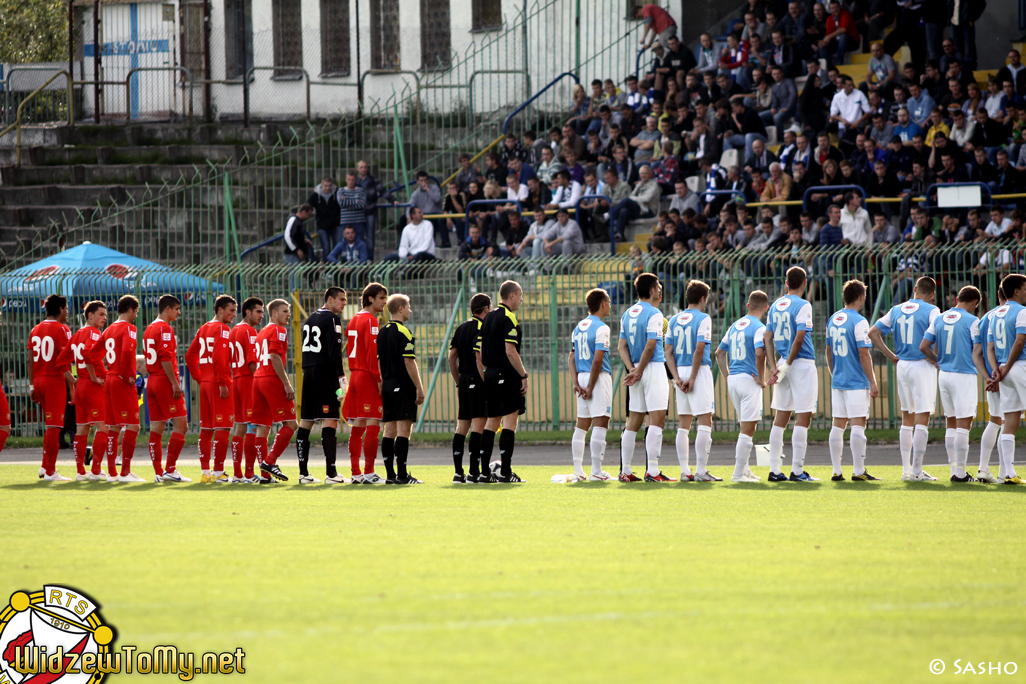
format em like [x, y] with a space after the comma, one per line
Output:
[388, 456]
[474, 448]
[457, 452]
[303, 449]
[402, 449]
[506, 439]
[330, 443]
[487, 444]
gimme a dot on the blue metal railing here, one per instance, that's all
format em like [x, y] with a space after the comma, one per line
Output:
[523, 105]
[612, 231]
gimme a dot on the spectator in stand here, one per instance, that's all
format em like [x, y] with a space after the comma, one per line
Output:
[516, 232]
[883, 184]
[810, 229]
[352, 203]
[374, 190]
[566, 192]
[636, 100]
[753, 27]
[848, 111]
[467, 173]
[920, 105]
[494, 170]
[592, 186]
[533, 147]
[842, 36]
[882, 130]
[417, 242]
[984, 172]
[455, 203]
[989, 134]
[562, 238]
[778, 187]
[793, 24]
[999, 224]
[856, 228]
[428, 198]
[683, 199]
[758, 163]
[644, 142]
[351, 250]
[643, 202]
[665, 170]
[473, 193]
[1014, 72]
[658, 23]
[579, 106]
[900, 102]
[936, 125]
[614, 97]
[951, 173]
[996, 100]
[538, 194]
[881, 74]
[700, 144]
[549, 167]
[734, 60]
[298, 247]
[521, 170]
[907, 128]
[784, 102]
[745, 127]
[931, 80]
[954, 98]
[1009, 179]
[708, 55]
[322, 199]
[572, 141]
[963, 130]
[782, 54]
[475, 247]
[884, 231]
[535, 231]
[617, 191]
[575, 170]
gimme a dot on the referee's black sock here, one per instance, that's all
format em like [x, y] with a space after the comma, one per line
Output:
[388, 456]
[458, 441]
[474, 449]
[506, 439]
[487, 443]
[330, 443]
[402, 449]
[303, 450]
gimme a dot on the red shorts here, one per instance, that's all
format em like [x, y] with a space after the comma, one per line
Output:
[122, 403]
[5, 410]
[363, 400]
[269, 403]
[53, 395]
[160, 399]
[242, 393]
[89, 401]
[215, 413]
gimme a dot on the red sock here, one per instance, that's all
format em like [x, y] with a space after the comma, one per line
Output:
[51, 446]
[260, 447]
[237, 456]
[80, 449]
[112, 453]
[280, 442]
[99, 451]
[4, 434]
[220, 449]
[174, 448]
[205, 439]
[370, 448]
[249, 449]
[127, 451]
[156, 455]
[355, 444]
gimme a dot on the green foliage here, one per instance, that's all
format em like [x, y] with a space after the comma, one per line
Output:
[33, 30]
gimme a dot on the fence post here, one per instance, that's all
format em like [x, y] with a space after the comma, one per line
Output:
[553, 351]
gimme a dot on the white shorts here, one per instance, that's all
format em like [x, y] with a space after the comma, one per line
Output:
[746, 396]
[1013, 390]
[799, 389]
[699, 400]
[849, 403]
[917, 386]
[652, 392]
[994, 404]
[959, 394]
[601, 401]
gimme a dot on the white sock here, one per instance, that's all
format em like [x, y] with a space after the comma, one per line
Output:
[836, 445]
[1006, 449]
[919, 437]
[857, 443]
[987, 443]
[742, 452]
[949, 447]
[627, 441]
[598, 449]
[1001, 458]
[683, 449]
[776, 445]
[653, 447]
[961, 450]
[799, 444]
[905, 446]
[703, 442]
[577, 450]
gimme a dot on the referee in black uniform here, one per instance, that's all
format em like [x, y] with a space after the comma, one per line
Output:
[505, 377]
[401, 390]
[323, 374]
[470, 389]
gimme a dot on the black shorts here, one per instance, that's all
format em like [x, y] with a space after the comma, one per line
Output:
[398, 400]
[472, 397]
[504, 397]
[319, 401]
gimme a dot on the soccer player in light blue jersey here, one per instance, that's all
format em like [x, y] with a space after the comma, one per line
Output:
[953, 342]
[852, 380]
[593, 385]
[744, 346]
[1006, 338]
[991, 433]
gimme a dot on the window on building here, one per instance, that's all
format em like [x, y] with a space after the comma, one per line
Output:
[287, 27]
[384, 34]
[191, 18]
[334, 37]
[238, 46]
[487, 15]
[434, 35]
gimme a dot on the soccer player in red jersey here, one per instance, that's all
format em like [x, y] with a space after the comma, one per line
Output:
[47, 378]
[273, 395]
[244, 363]
[210, 361]
[119, 341]
[164, 395]
[362, 408]
[86, 353]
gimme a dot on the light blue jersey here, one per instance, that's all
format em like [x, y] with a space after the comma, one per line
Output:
[956, 332]
[741, 340]
[847, 332]
[589, 337]
[985, 322]
[687, 329]
[1006, 322]
[639, 324]
[909, 322]
[786, 317]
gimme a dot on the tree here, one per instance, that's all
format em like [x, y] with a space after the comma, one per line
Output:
[33, 30]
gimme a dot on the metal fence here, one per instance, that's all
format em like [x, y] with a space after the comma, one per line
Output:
[554, 292]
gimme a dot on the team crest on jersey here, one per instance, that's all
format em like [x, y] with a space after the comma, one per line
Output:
[635, 310]
[909, 307]
[132, 334]
[219, 417]
[94, 336]
[224, 334]
[742, 324]
[48, 414]
[281, 411]
[839, 318]
[685, 317]
[952, 317]
[366, 407]
[1001, 311]
[324, 409]
[783, 303]
[584, 325]
[172, 408]
[374, 330]
[281, 337]
[167, 337]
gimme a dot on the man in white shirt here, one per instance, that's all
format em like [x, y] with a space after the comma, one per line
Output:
[417, 242]
[848, 110]
[567, 191]
[856, 226]
[998, 223]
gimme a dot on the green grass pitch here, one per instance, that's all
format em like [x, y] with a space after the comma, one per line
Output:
[852, 582]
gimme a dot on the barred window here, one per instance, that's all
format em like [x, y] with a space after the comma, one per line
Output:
[487, 15]
[434, 35]
[384, 34]
[238, 26]
[334, 37]
[287, 27]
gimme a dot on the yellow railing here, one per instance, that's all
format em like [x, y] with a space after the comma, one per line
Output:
[17, 121]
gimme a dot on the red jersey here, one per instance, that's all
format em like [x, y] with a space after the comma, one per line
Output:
[209, 357]
[85, 348]
[46, 341]
[160, 345]
[244, 349]
[273, 339]
[119, 343]
[362, 343]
